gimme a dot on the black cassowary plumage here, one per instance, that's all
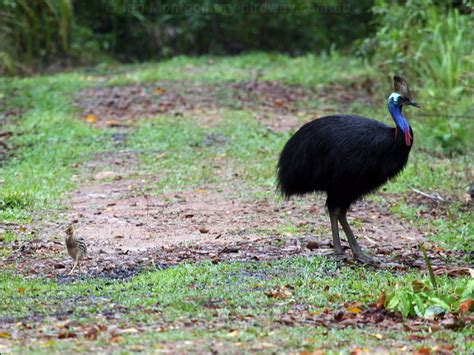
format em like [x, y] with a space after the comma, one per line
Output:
[347, 157]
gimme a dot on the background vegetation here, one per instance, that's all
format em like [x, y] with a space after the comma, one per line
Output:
[37, 34]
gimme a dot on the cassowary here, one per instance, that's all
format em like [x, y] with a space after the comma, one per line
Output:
[347, 157]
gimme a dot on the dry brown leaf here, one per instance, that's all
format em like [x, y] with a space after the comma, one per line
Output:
[443, 349]
[203, 230]
[21, 290]
[91, 118]
[465, 306]
[159, 91]
[418, 286]
[381, 301]
[422, 351]
[66, 334]
[91, 333]
[233, 333]
[280, 293]
[279, 102]
[115, 339]
[354, 309]
[115, 123]
[5, 335]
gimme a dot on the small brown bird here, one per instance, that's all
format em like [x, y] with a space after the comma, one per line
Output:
[76, 247]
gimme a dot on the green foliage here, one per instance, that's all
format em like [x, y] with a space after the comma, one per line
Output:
[32, 31]
[43, 32]
[427, 41]
[420, 300]
[432, 44]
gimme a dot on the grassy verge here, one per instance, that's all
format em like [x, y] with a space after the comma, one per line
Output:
[241, 305]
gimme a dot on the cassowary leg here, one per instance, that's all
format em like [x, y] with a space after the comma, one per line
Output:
[356, 249]
[333, 215]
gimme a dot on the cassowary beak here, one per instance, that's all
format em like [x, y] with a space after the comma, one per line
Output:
[412, 103]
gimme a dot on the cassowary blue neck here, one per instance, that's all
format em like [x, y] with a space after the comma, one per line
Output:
[400, 120]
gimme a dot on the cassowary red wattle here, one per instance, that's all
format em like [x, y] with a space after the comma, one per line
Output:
[347, 157]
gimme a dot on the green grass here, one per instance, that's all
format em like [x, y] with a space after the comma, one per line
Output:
[308, 70]
[50, 141]
[237, 291]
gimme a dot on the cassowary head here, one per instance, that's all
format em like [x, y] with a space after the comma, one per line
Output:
[401, 95]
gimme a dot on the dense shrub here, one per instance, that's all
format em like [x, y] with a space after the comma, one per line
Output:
[37, 32]
[426, 40]
[33, 31]
[431, 42]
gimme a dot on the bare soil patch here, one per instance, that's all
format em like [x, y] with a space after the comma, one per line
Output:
[279, 106]
[129, 229]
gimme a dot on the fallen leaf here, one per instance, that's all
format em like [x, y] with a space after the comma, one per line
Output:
[381, 301]
[233, 333]
[353, 309]
[443, 349]
[418, 286]
[115, 339]
[312, 245]
[377, 335]
[5, 335]
[159, 91]
[279, 293]
[358, 351]
[91, 118]
[66, 334]
[279, 102]
[422, 351]
[21, 290]
[115, 123]
[465, 306]
[92, 332]
[204, 230]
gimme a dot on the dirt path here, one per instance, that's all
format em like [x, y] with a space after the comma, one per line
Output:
[128, 227]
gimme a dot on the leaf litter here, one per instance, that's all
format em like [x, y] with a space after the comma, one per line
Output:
[278, 105]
